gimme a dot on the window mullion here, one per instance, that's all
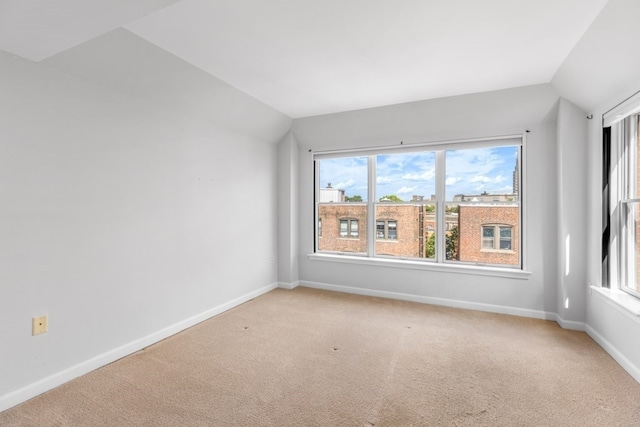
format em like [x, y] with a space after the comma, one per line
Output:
[371, 206]
[440, 206]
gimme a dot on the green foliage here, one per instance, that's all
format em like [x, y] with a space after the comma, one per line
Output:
[356, 198]
[429, 208]
[391, 198]
[451, 244]
[430, 247]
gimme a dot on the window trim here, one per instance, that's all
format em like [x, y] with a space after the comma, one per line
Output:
[349, 221]
[496, 238]
[621, 138]
[386, 237]
[439, 147]
[429, 265]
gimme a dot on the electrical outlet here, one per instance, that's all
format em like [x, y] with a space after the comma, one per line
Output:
[39, 325]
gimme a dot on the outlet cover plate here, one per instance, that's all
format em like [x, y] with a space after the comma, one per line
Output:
[39, 325]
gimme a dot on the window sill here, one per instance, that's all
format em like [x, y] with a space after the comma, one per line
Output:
[498, 251]
[423, 265]
[619, 299]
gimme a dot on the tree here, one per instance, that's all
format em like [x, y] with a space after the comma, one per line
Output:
[356, 198]
[451, 244]
[430, 247]
[391, 198]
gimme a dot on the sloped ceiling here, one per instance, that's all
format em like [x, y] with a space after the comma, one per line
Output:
[38, 29]
[306, 58]
[604, 67]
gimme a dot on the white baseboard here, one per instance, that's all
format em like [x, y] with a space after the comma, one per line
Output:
[568, 324]
[626, 364]
[32, 390]
[491, 308]
[285, 285]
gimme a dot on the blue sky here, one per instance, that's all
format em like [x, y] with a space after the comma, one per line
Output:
[469, 171]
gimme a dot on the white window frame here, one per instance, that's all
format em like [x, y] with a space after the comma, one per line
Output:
[439, 263]
[623, 195]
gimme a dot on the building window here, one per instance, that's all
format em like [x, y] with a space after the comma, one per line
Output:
[349, 228]
[441, 193]
[497, 237]
[488, 237]
[387, 229]
[621, 197]
[320, 227]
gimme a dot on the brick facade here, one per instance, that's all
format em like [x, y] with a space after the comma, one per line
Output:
[415, 223]
[330, 216]
[410, 220]
[471, 220]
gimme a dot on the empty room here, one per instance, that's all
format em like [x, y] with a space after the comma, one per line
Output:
[323, 213]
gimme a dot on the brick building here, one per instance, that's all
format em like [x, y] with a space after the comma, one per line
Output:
[342, 227]
[487, 233]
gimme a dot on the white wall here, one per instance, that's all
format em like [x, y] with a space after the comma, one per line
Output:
[123, 219]
[503, 112]
[288, 212]
[601, 72]
[572, 211]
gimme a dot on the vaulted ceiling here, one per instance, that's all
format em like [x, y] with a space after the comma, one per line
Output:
[310, 57]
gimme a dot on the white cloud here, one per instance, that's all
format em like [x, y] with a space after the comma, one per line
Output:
[383, 179]
[452, 180]
[424, 176]
[480, 178]
[404, 190]
[344, 185]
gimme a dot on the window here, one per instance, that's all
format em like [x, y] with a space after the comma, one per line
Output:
[488, 237]
[349, 228]
[621, 197]
[387, 229]
[341, 205]
[496, 237]
[441, 195]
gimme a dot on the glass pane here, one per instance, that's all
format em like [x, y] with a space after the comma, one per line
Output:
[487, 237]
[407, 177]
[342, 208]
[343, 180]
[482, 189]
[391, 228]
[634, 250]
[636, 172]
[354, 228]
[505, 232]
[410, 230]
[505, 244]
[631, 238]
[482, 175]
[379, 229]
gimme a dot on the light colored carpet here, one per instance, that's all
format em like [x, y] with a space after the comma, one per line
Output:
[315, 358]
